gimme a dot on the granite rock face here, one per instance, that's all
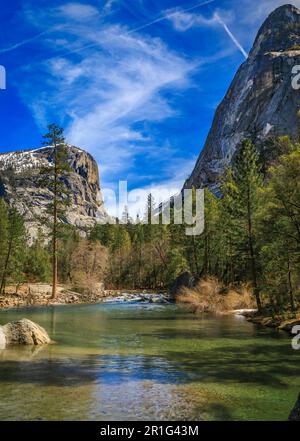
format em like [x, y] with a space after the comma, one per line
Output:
[260, 102]
[20, 187]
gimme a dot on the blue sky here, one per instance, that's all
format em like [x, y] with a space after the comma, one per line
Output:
[135, 83]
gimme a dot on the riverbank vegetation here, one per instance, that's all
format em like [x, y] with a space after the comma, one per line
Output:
[251, 236]
[209, 295]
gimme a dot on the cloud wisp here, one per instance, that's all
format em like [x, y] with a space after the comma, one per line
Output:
[171, 15]
[80, 12]
[110, 95]
[168, 16]
[184, 20]
[113, 94]
[74, 12]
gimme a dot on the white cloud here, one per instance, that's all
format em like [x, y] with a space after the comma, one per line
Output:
[120, 90]
[137, 199]
[177, 171]
[108, 91]
[110, 82]
[182, 21]
[108, 6]
[77, 11]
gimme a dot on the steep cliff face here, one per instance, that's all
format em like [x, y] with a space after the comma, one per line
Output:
[260, 102]
[20, 187]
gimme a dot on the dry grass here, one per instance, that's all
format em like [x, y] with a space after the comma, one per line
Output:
[209, 295]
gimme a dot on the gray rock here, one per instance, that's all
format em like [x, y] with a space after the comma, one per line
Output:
[139, 298]
[295, 414]
[24, 332]
[21, 188]
[73, 298]
[260, 103]
[184, 280]
[155, 299]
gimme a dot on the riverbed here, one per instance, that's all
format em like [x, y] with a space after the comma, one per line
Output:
[137, 361]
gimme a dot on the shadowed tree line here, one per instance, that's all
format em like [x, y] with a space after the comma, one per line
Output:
[251, 234]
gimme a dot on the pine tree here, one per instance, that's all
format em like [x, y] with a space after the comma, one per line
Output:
[230, 230]
[103, 233]
[149, 209]
[4, 222]
[38, 262]
[14, 255]
[53, 178]
[280, 231]
[248, 180]
[210, 236]
[68, 241]
[126, 219]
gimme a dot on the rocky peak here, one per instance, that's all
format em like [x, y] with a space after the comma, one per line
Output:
[20, 187]
[260, 102]
[279, 33]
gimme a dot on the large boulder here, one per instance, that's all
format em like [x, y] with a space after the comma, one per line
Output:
[295, 414]
[184, 280]
[23, 332]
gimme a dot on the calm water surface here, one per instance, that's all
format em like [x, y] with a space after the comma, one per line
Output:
[139, 362]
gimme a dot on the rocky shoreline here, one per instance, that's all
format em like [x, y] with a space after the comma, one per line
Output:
[138, 297]
[276, 322]
[40, 295]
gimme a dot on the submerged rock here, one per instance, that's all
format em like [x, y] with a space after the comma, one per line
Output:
[295, 414]
[23, 332]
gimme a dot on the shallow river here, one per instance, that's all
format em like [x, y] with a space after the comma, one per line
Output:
[139, 362]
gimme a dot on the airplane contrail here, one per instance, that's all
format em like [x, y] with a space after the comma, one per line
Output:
[146, 25]
[230, 34]
[22, 43]
[165, 17]
[172, 14]
[139, 28]
[29, 40]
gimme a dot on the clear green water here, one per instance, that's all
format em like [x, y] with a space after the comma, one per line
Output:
[147, 362]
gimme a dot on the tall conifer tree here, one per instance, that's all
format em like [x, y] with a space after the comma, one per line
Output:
[248, 180]
[53, 177]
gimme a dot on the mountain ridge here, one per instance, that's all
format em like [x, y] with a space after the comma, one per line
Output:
[20, 188]
[260, 102]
